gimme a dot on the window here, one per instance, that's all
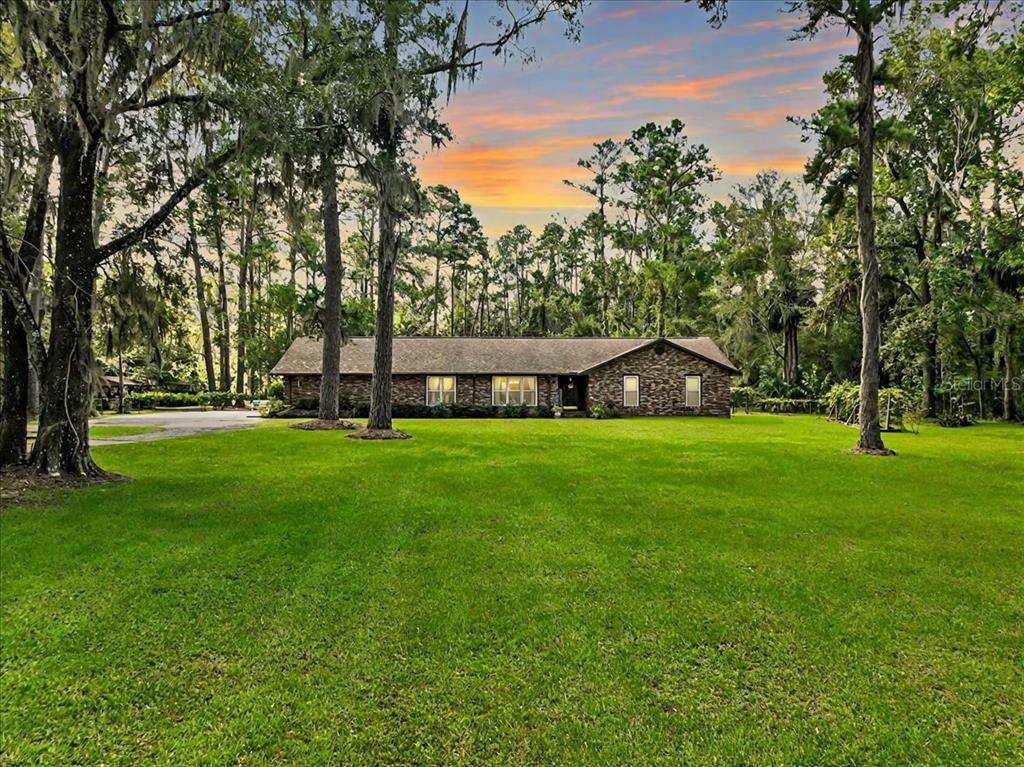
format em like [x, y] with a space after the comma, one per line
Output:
[440, 389]
[693, 392]
[514, 390]
[630, 391]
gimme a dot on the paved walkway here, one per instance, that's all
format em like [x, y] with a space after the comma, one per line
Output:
[176, 424]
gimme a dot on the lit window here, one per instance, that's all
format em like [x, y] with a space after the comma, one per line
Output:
[514, 390]
[693, 393]
[630, 391]
[440, 389]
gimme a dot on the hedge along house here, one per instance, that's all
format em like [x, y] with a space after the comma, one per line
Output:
[638, 376]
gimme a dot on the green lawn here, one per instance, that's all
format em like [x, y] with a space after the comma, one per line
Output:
[663, 591]
[102, 432]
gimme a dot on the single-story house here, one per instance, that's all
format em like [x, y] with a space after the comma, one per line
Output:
[639, 376]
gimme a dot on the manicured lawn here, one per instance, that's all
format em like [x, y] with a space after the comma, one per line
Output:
[101, 432]
[525, 592]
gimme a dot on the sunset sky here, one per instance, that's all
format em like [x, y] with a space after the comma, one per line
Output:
[519, 129]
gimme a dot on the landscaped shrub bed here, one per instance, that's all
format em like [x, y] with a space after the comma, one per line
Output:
[309, 406]
[452, 410]
[151, 399]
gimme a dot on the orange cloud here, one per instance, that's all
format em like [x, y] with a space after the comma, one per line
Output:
[795, 50]
[767, 117]
[623, 13]
[501, 118]
[623, 10]
[701, 88]
[784, 21]
[525, 175]
[662, 48]
[745, 166]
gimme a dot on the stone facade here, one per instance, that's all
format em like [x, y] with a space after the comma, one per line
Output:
[662, 369]
[412, 389]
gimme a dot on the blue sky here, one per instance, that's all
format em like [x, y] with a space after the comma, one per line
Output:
[520, 128]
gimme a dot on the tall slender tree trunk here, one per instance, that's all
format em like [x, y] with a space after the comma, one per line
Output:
[870, 365]
[223, 320]
[120, 374]
[437, 288]
[1009, 378]
[290, 316]
[331, 364]
[244, 315]
[19, 369]
[36, 307]
[790, 351]
[62, 442]
[204, 316]
[243, 321]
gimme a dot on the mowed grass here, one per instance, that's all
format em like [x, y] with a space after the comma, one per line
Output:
[103, 432]
[662, 591]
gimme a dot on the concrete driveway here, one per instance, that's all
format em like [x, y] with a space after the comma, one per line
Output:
[176, 423]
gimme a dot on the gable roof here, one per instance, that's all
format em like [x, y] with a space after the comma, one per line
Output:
[550, 356]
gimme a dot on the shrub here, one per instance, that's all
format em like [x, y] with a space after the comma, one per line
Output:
[514, 411]
[441, 410]
[472, 411]
[272, 408]
[745, 397]
[956, 416]
[307, 403]
[788, 405]
[276, 389]
[543, 411]
[897, 408]
[603, 412]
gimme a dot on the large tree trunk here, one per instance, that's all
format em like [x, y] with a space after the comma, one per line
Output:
[62, 443]
[19, 369]
[14, 405]
[790, 351]
[331, 363]
[387, 258]
[870, 364]
[204, 317]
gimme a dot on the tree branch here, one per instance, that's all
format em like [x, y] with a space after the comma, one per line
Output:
[179, 19]
[171, 98]
[151, 224]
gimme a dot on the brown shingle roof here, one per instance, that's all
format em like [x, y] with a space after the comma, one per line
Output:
[556, 356]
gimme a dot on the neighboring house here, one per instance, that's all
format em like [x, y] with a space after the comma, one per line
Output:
[641, 376]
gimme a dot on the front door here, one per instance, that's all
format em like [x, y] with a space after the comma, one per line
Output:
[573, 392]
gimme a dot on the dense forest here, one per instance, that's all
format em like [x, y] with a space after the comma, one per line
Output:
[188, 188]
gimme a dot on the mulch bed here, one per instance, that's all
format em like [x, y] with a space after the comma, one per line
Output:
[379, 434]
[23, 486]
[870, 451]
[318, 425]
[295, 412]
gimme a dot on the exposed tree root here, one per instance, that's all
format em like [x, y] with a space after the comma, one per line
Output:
[322, 425]
[379, 434]
[22, 485]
